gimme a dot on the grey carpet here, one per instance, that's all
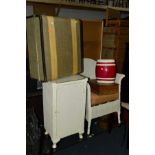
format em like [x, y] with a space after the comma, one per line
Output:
[102, 143]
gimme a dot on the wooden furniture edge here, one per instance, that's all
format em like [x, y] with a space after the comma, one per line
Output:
[60, 3]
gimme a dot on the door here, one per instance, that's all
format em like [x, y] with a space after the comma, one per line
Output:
[70, 108]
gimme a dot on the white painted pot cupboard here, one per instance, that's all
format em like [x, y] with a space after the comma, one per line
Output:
[64, 107]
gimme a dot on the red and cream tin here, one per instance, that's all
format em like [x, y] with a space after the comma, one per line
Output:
[105, 71]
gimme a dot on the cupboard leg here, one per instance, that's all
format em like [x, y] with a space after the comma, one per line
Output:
[54, 145]
[80, 136]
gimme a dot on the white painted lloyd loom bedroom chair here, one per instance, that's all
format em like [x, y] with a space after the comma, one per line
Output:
[104, 107]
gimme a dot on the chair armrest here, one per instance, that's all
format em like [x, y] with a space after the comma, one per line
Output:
[125, 105]
[119, 78]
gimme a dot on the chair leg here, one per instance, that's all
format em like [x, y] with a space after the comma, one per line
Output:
[119, 118]
[89, 125]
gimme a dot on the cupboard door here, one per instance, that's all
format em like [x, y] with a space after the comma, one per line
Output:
[70, 109]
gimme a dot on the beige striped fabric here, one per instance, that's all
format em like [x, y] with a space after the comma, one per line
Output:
[62, 47]
[34, 48]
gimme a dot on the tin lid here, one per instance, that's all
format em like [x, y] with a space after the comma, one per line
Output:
[106, 60]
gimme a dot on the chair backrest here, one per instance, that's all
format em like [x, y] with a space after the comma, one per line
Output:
[89, 68]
